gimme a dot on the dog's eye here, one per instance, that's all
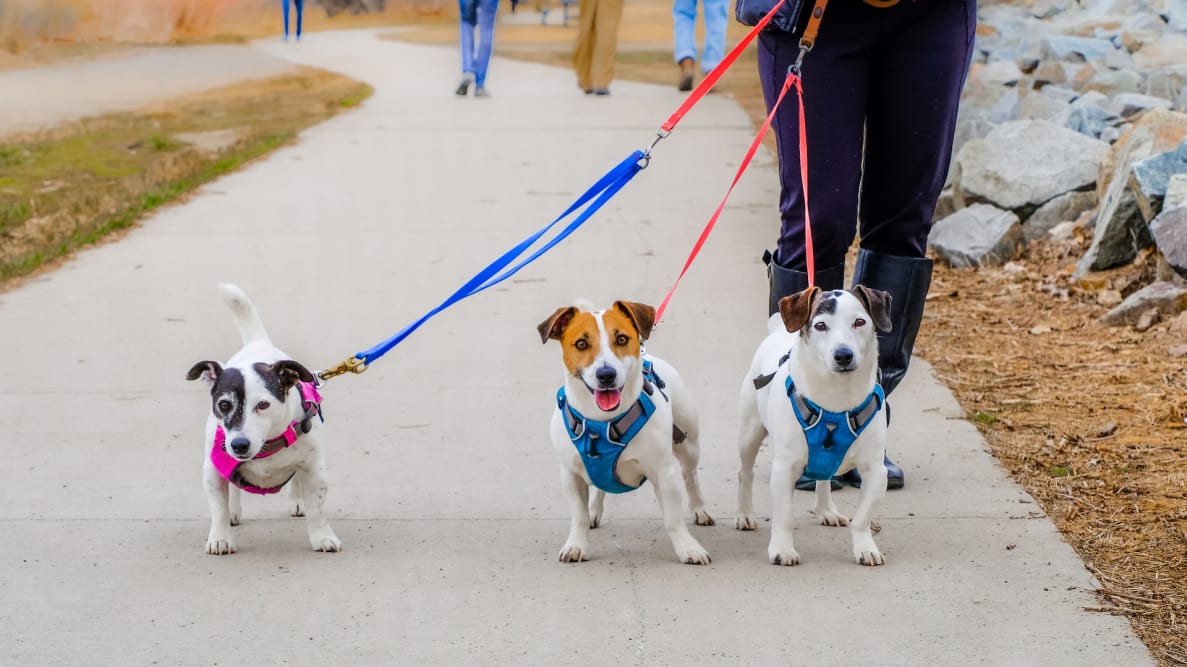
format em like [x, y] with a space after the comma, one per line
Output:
[224, 406]
[820, 326]
[262, 405]
[581, 344]
[859, 323]
[622, 340]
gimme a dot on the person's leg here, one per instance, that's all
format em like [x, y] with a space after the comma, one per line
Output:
[914, 92]
[468, 13]
[716, 19]
[300, 4]
[684, 45]
[487, 12]
[583, 50]
[606, 43]
[284, 8]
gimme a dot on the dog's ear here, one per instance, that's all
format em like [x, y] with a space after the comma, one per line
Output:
[207, 370]
[797, 309]
[554, 327]
[290, 372]
[641, 314]
[877, 304]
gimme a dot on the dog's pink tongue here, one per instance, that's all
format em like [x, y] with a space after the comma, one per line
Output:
[608, 399]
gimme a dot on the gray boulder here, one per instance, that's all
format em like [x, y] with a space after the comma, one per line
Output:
[1176, 192]
[1169, 230]
[1037, 106]
[1088, 120]
[1128, 104]
[1076, 49]
[1167, 82]
[1120, 229]
[1148, 178]
[1168, 299]
[1021, 165]
[1169, 50]
[1111, 82]
[980, 235]
[1064, 208]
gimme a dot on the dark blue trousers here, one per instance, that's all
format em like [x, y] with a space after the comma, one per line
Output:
[881, 88]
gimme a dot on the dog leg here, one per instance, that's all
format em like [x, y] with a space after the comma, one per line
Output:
[236, 504]
[688, 453]
[781, 550]
[313, 492]
[667, 494]
[826, 509]
[576, 548]
[750, 437]
[873, 489]
[597, 502]
[221, 540]
[296, 497]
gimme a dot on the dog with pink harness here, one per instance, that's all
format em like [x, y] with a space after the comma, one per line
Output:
[262, 433]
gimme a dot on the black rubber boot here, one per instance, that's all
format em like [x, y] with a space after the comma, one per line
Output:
[907, 279]
[785, 282]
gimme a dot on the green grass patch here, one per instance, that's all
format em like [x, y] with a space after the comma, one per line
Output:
[76, 184]
[984, 418]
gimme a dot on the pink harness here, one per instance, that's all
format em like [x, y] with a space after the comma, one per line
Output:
[228, 466]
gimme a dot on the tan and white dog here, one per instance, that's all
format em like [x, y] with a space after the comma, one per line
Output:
[607, 387]
[261, 434]
[827, 344]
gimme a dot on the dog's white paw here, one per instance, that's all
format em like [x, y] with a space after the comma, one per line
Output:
[783, 556]
[871, 557]
[828, 518]
[295, 509]
[325, 541]
[701, 518]
[219, 544]
[595, 518]
[695, 555]
[234, 518]
[574, 553]
[745, 522]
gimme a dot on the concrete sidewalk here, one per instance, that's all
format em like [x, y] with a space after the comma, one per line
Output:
[444, 489]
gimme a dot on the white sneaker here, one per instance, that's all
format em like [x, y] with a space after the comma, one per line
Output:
[481, 91]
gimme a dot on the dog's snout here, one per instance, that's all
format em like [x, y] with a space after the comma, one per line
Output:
[843, 356]
[239, 446]
[606, 376]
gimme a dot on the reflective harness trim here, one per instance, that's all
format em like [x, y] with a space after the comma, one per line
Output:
[830, 434]
[228, 466]
[600, 443]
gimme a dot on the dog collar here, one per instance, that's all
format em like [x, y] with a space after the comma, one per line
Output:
[600, 443]
[228, 466]
[830, 434]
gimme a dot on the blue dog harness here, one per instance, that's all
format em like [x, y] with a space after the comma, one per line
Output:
[830, 434]
[600, 443]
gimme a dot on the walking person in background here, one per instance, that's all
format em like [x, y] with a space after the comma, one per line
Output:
[476, 15]
[881, 87]
[300, 5]
[597, 45]
[684, 24]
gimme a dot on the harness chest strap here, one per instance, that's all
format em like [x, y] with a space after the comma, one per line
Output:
[228, 466]
[831, 434]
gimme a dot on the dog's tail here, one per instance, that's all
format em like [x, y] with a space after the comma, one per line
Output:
[251, 327]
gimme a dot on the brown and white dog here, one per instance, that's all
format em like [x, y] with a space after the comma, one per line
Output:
[607, 387]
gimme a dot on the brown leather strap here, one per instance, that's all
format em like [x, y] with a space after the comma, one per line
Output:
[881, 4]
[809, 37]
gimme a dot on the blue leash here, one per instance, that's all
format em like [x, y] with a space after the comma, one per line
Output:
[497, 271]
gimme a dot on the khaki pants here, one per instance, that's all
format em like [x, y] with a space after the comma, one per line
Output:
[597, 42]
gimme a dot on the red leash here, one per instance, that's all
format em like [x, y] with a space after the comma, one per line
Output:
[792, 80]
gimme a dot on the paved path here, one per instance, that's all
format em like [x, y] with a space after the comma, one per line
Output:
[444, 488]
[33, 99]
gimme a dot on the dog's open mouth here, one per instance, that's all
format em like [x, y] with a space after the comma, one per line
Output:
[607, 399]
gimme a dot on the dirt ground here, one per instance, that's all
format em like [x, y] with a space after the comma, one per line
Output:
[1090, 419]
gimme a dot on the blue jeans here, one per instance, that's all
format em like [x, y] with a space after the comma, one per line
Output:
[684, 23]
[480, 15]
[300, 4]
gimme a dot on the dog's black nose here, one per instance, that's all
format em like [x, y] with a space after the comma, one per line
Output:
[239, 446]
[606, 376]
[844, 357]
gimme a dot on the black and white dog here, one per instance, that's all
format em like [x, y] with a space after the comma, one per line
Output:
[262, 432]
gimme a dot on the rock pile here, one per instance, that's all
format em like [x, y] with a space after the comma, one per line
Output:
[1075, 116]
